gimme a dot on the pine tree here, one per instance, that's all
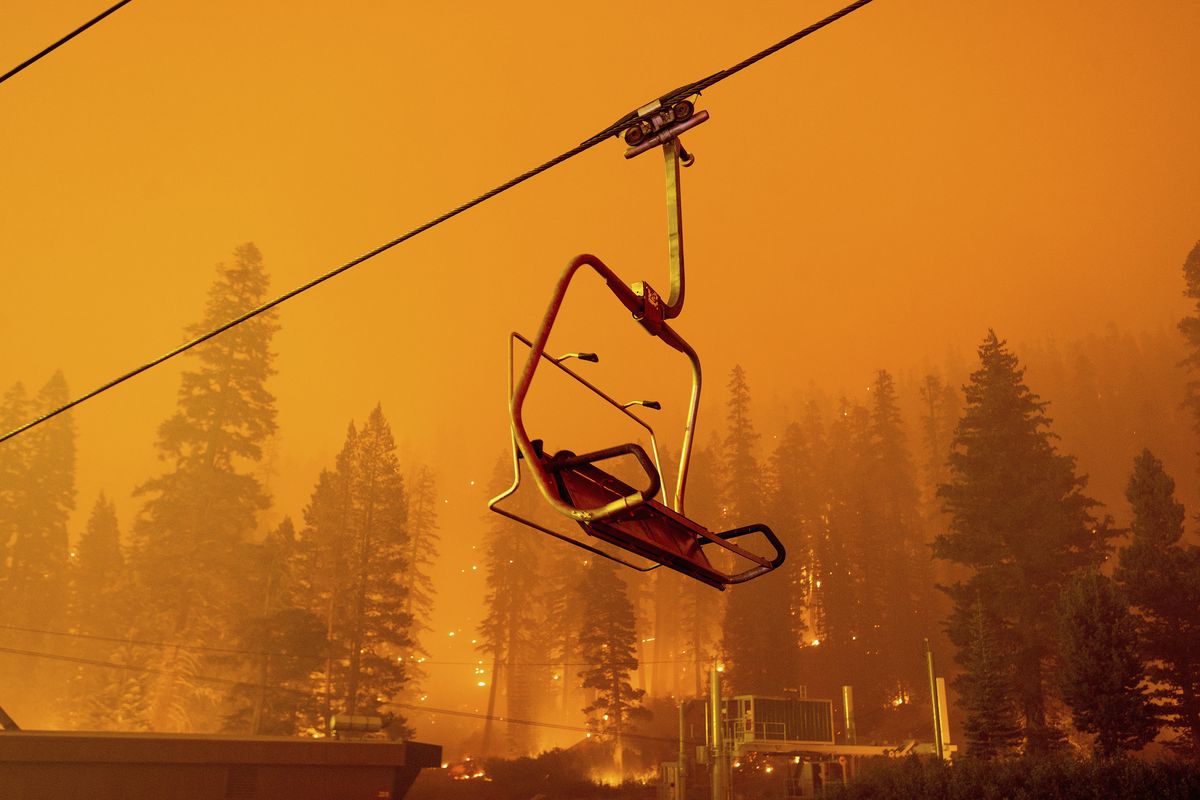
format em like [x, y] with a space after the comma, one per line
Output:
[742, 496]
[700, 615]
[760, 635]
[939, 413]
[99, 572]
[844, 644]
[561, 606]
[37, 495]
[325, 552]
[986, 685]
[354, 572]
[97, 607]
[283, 644]
[1190, 328]
[421, 554]
[904, 573]
[40, 502]
[793, 513]
[14, 469]
[509, 632]
[1161, 577]
[1019, 521]
[192, 536]
[608, 643]
[1102, 668]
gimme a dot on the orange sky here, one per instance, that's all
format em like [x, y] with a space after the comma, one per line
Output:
[873, 197]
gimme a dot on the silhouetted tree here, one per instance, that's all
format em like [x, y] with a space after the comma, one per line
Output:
[98, 572]
[986, 685]
[37, 505]
[325, 557]
[903, 580]
[760, 632]
[848, 645]
[793, 512]
[1190, 328]
[939, 414]
[1101, 667]
[1019, 521]
[511, 628]
[607, 642]
[14, 466]
[354, 564]
[97, 607]
[700, 614]
[283, 643]
[742, 494]
[421, 554]
[562, 607]
[1161, 577]
[192, 536]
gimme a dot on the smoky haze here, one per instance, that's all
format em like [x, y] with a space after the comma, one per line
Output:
[877, 197]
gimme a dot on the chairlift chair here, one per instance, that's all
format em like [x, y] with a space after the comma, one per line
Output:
[574, 485]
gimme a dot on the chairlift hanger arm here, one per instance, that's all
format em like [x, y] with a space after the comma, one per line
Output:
[662, 125]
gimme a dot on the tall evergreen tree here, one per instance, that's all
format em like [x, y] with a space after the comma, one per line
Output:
[939, 414]
[325, 557]
[701, 617]
[760, 636]
[39, 504]
[608, 644]
[355, 541]
[99, 573]
[509, 632]
[904, 574]
[743, 490]
[421, 554]
[986, 685]
[1019, 521]
[14, 467]
[283, 644]
[1102, 669]
[1190, 328]
[191, 538]
[845, 640]
[1162, 579]
[97, 607]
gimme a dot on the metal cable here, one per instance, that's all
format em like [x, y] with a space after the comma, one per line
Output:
[94, 662]
[30, 61]
[237, 652]
[612, 130]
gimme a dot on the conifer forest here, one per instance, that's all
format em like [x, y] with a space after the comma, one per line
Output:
[924, 524]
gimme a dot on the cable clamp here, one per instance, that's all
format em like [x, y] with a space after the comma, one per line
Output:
[657, 124]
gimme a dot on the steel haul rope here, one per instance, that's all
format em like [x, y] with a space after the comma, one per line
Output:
[48, 50]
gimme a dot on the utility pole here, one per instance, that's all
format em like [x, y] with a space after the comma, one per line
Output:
[681, 774]
[720, 768]
[938, 745]
[848, 714]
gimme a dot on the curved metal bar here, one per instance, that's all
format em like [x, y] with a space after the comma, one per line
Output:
[622, 407]
[517, 397]
[663, 331]
[760, 569]
[567, 459]
[674, 303]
